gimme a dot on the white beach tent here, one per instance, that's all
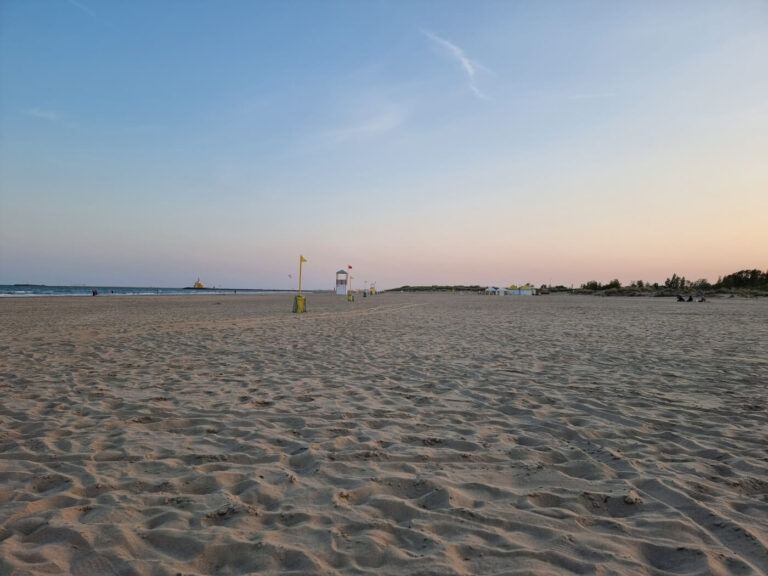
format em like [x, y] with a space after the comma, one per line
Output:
[526, 290]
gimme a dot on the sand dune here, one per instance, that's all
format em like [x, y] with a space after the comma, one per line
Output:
[401, 434]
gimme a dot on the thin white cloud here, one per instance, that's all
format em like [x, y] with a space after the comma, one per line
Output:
[592, 96]
[364, 129]
[86, 10]
[379, 124]
[456, 52]
[51, 115]
[83, 7]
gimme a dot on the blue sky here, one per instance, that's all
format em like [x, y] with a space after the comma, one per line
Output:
[152, 142]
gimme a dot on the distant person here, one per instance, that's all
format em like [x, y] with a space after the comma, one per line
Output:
[94, 292]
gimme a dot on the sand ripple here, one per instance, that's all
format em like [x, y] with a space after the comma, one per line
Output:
[428, 434]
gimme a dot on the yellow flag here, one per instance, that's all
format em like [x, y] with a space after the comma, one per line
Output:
[302, 259]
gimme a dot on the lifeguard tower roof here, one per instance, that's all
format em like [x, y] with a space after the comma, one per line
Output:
[342, 272]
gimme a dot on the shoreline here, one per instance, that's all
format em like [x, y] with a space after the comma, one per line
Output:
[16, 291]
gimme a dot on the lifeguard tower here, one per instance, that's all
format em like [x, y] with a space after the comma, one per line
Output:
[342, 281]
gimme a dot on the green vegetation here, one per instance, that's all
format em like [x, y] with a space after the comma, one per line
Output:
[744, 283]
[753, 279]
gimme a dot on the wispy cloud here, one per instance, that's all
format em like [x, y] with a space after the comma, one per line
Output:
[457, 53]
[381, 123]
[592, 96]
[85, 9]
[51, 115]
[359, 129]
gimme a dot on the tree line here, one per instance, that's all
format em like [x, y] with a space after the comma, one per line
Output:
[742, 280]
[746, 280]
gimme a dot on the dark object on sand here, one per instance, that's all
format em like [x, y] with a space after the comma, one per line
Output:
[94, 292]
[680, 298]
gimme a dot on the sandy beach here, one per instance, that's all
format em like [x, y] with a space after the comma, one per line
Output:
[401, 434]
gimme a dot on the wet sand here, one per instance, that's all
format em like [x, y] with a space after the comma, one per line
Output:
[401, 434]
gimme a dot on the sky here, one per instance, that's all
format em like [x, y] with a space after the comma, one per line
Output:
[152, 142]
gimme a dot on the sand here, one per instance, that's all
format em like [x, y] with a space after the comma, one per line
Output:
[401, 434]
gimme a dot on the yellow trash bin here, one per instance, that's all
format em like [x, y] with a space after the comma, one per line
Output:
[300, 304]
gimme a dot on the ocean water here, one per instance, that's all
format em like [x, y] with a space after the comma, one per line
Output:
[22, 290]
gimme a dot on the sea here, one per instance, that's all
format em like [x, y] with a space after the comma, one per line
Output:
[31, 290]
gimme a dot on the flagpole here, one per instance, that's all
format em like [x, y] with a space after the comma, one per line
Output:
[299, 302]
[301, 262]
